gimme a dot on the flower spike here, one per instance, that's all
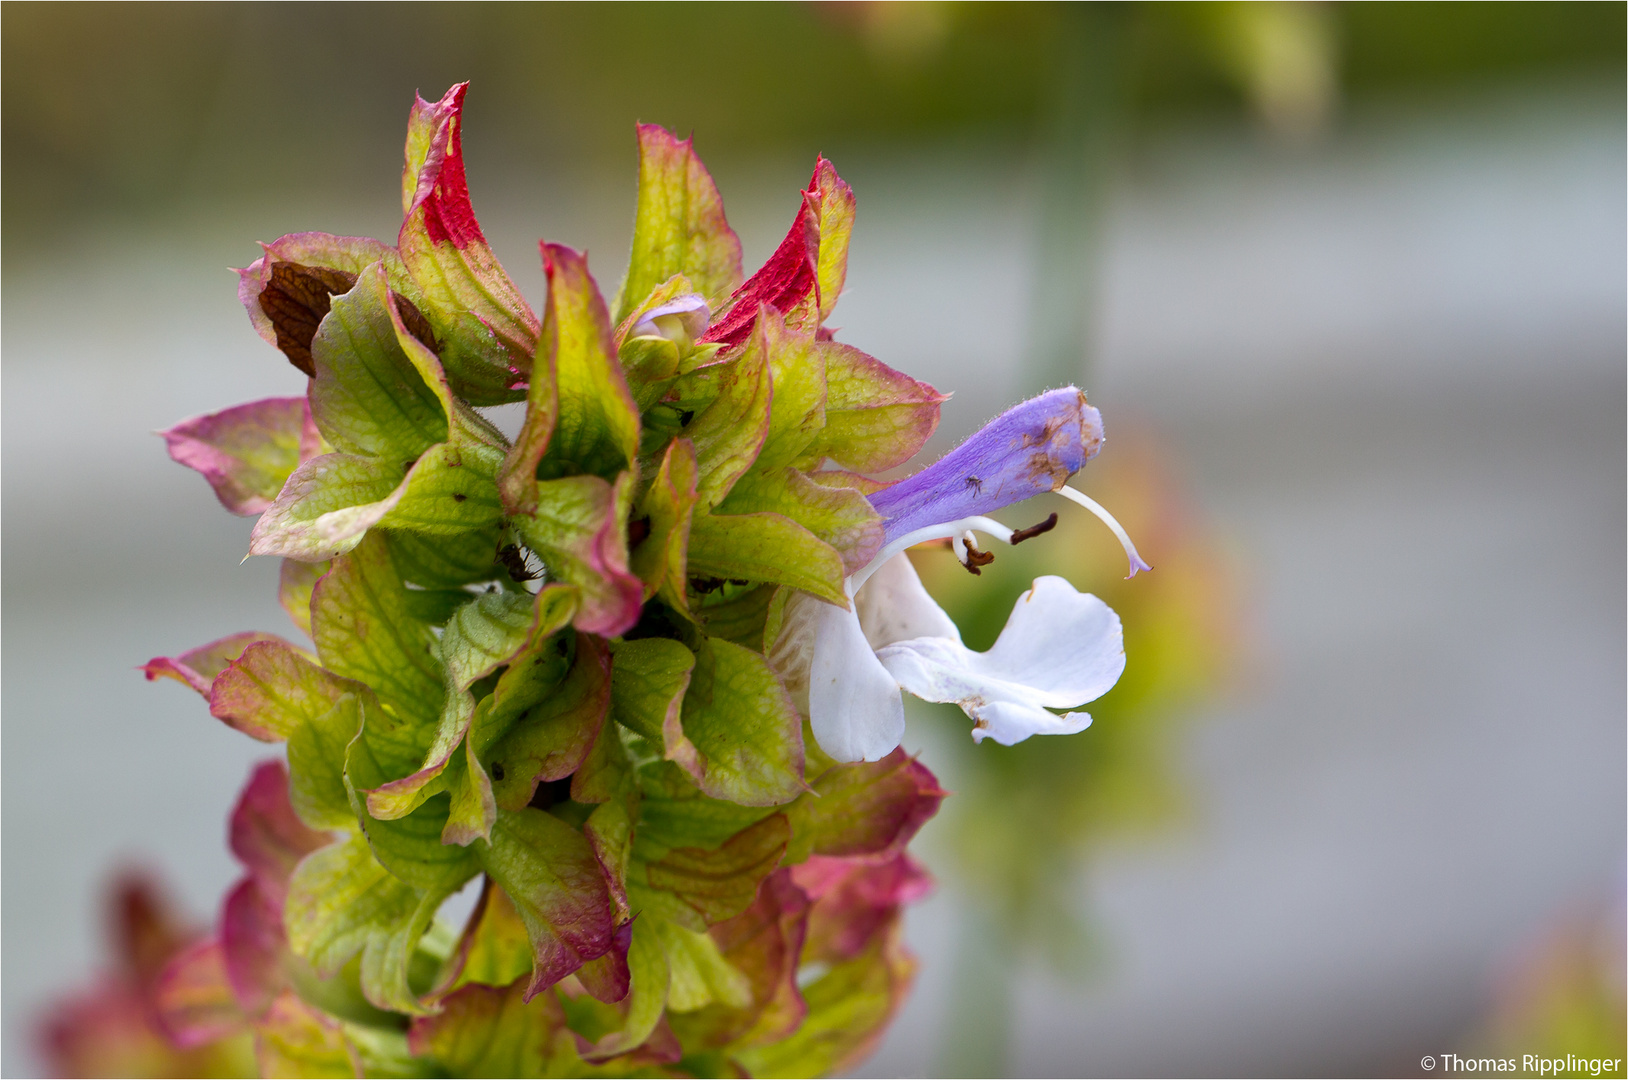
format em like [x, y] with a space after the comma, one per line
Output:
[582, 664]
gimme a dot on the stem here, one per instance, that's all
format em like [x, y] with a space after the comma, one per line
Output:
[977, 1040]
[1078, 143]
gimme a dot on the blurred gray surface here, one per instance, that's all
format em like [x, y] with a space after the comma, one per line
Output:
[1395, 371]
[1393, 367]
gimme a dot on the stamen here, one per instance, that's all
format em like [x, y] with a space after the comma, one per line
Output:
[967, 550]
[1107, 519]
[1034, 530]
[949, 530]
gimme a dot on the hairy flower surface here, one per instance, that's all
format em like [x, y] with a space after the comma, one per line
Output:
[578, 670]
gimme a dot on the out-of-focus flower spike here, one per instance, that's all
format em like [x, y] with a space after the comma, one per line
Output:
[297, 1039]
[269, 839]
[765, 943]
[489, 1030]
[266, 835]
[193, 998]
[147, 926]
[255, 949]
[855, 899]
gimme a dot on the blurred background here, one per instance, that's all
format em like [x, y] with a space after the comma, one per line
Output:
[1347, 282]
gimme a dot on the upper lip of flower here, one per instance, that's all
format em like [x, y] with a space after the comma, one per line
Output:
[1032, 448]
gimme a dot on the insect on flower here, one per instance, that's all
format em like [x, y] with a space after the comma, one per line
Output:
[512, 559]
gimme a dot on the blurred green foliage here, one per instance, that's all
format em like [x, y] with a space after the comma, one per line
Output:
[120, 109]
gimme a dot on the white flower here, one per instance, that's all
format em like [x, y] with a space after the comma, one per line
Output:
[1060, 649]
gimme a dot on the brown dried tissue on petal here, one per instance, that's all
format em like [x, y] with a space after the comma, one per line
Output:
[295, 299]
[416, 324]
[1045, 466]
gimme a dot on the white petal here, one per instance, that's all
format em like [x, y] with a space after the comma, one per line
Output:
[893, 606]
[1061, 641]
[1060, 648]
[853, 703]
[1007, 722]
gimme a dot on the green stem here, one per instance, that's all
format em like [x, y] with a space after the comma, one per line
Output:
[1077, 150]
[978, 1037]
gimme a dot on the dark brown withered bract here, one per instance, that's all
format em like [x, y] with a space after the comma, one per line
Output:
[298, 297]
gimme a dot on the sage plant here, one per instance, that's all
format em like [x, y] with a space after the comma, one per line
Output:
[634, 674]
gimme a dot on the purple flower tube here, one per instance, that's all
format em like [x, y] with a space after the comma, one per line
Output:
[1028, 450]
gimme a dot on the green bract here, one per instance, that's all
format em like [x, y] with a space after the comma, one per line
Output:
[539, 662]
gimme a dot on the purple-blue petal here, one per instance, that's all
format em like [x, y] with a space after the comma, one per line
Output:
[1027, 450]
